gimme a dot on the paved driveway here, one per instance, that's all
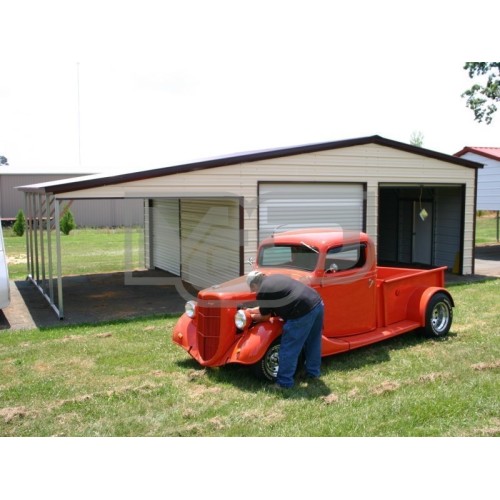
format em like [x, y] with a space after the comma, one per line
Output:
[488, 260]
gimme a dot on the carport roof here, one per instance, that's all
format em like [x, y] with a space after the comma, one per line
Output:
[93, 181]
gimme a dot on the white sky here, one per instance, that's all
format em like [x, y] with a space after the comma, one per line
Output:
[169, 81]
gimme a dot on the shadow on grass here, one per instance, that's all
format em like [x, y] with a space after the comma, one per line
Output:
[243, 378]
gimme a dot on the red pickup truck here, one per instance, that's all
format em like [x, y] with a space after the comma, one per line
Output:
[364, 303]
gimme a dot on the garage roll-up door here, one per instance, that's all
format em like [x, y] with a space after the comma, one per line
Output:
[296, 205]
[210, 240]
[166, 241]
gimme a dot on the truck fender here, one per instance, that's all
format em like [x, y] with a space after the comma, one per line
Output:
[184, 333]
[417, 305]
[254, 343]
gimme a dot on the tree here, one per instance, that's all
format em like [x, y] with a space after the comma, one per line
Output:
[20, 224]
[481, 97]
[3, 160]
[417, 139]
[67, 222]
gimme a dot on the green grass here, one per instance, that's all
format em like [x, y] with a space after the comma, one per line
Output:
[84, 251]
[486, 228]
[129, 379]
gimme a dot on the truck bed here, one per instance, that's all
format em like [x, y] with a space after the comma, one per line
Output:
[396, 285]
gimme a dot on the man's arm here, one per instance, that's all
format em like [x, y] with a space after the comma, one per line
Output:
[257, 316]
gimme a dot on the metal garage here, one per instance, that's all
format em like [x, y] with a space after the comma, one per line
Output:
[203, 220]
[198, 239]
[299, 204]
[421, 225]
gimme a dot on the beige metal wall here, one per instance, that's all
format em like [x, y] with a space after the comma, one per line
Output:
[371, 164]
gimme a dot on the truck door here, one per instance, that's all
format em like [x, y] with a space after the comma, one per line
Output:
[348, 288]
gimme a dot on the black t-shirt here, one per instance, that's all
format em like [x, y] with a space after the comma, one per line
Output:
[286, 297]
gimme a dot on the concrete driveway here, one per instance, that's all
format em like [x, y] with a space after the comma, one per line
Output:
[92, 299]
[488, 261]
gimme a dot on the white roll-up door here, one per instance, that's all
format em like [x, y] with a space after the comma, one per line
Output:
[296, 205]
[210, 240]
[164, 217]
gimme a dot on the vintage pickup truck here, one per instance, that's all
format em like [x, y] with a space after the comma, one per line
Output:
[364, 303]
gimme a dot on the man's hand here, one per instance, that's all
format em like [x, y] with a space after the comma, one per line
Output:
[256, 316]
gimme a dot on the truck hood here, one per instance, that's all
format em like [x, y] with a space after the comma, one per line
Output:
[236, 291]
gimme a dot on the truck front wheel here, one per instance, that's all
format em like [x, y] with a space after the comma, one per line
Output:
[267, 367]
[438, 316]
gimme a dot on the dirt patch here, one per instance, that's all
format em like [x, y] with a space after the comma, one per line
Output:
[386, 386]
[16, 259]
[432, 377]
[9, 414]
[201, 390]
[330, 399]
[268, 418]
[487, 366]
[104, 335]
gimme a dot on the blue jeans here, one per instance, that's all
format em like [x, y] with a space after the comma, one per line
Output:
[301, 333]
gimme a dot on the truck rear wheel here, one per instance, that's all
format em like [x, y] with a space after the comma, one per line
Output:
[267, 367]
[438, 316]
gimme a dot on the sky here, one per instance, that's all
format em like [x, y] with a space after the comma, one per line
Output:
[110, 86]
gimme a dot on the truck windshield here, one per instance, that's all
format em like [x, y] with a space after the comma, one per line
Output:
[291, 256]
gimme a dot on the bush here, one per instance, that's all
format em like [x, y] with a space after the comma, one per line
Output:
[67, 222]
[19, 226]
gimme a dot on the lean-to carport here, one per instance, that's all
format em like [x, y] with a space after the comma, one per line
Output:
[44, 209]
[44, 254]
[222, 248]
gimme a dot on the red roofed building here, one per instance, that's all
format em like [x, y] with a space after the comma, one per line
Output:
[488, 182]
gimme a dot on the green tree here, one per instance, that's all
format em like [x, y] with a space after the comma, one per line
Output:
[67, 222]
[481, 97]
[20, 224]
[417, 139]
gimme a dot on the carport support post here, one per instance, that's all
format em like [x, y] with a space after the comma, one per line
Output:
[42, 242]
[58, 257]
[49, 247]
[29, 234]
[28, 250]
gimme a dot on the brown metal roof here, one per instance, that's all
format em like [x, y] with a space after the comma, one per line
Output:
[93, 181]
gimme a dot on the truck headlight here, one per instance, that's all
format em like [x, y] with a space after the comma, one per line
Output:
[190, 308]
[240, 319]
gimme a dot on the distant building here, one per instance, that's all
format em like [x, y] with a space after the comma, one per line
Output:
[488, 182]
[89, 213]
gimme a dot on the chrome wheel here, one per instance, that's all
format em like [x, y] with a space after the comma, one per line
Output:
[267, 367]
[270, 362]
[439, 315]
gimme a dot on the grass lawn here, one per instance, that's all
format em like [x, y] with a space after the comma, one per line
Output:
[84, 251]
[128, 378]
[486, 228]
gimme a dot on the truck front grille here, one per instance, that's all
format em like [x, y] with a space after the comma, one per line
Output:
[208, 331]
